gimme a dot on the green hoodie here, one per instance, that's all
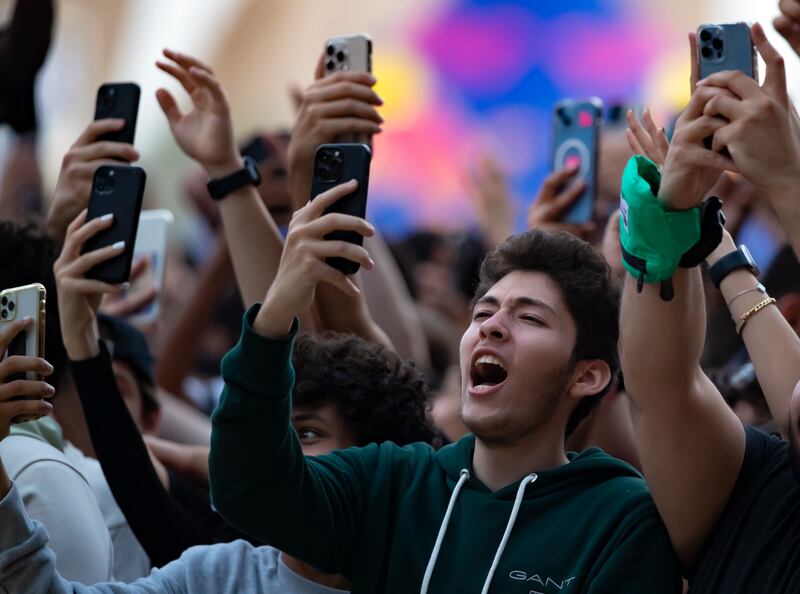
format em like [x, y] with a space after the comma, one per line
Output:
[384, 515]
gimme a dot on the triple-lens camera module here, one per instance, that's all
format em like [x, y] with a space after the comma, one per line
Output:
[712, 44]
[329, 165]
[104, 182]
[7, 307]
[336, 55]
[106, 98]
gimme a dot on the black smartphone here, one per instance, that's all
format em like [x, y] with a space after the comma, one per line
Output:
[576, 134]
[335, 164]
[723, 47]
[118, 190]
[118, 100]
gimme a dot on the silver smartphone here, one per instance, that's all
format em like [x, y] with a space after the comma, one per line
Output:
[348, 53]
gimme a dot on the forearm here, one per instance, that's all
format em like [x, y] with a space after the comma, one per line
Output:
[342, 313]
[162, 526]
[787, 207]
[772, 344]
[661, 341]
[179, 350]
[254, 242]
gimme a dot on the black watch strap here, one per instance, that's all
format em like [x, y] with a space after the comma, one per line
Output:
[247, 175]
[740, 258]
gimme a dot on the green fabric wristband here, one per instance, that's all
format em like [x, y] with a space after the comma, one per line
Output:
[653, 239]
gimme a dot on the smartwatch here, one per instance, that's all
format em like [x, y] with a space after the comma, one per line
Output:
[741, 258]
[223, 186]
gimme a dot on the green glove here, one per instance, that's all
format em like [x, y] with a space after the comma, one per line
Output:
[653, 239]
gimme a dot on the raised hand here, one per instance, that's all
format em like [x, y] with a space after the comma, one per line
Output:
[762, 130]
[303, 264]
[554, 200]
[79, 297]
[648, 140]
[493, 202]
[206, 133]
[339, 104]
[21, 399]
[74, 183]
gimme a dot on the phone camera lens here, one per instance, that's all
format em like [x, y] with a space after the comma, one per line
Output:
[717, 44]
[11, 306]
[325, 157]
[707, 53]
[705, 35]
[3, 314]
[330, 50]
[340, 56]
[330, 65]
[4, 300]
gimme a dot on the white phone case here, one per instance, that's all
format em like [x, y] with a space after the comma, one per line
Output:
[151, 242]
[21, 302]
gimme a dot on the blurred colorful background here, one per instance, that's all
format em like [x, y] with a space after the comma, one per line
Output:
[460, 78]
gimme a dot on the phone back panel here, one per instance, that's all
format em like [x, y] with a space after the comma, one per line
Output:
[576, 134]
[726, 47]
[151, 243]
[351, 53]
[335, 164]
[118, 100]
[17, 303]
[118, 190]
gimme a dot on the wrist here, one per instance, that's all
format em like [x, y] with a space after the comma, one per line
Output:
[84, 343]
[225, 167]
[273, 320]
[726, 246]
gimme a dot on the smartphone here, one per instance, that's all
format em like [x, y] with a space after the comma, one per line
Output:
[118, 100]
[17, 303]
[726, 47]
[576, 134]
[151, 243]
[335, 164]
[351, 53]
[119, 190]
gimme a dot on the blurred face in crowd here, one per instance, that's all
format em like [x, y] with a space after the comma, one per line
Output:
[274, 188]
[321, 429]
[516, 358]
[794, 432]
[132, 395]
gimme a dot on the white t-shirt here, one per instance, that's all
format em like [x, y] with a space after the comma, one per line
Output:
[58, 495]
[130, 559]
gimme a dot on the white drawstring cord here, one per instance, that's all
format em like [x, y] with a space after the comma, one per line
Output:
[442, 529]
[514, 511]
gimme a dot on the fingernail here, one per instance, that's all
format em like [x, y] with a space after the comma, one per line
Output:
[50, 389]
[48, 366]
[371, 226]
[107, 217]
[371, 263]
[118, 246]
[27, 319]
[125, 286]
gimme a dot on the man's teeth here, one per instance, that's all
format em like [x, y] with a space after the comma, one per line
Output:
[490, 359]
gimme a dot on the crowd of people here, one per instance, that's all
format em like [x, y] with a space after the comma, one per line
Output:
[611, 406]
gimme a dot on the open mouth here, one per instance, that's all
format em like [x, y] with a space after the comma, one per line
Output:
[487, 371]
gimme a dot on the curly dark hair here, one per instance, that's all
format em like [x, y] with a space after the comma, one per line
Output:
[380, 396]
[588, 289]
[29, 254]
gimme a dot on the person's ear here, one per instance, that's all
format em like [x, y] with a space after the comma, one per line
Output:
[789, 306]
[590, 377]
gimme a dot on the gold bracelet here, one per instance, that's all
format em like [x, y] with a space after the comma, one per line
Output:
[743, 319]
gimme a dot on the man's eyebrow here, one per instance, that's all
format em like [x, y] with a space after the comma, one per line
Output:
[489, 300]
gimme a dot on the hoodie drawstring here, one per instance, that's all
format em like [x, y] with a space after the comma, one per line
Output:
[442, 529]
[531, 478]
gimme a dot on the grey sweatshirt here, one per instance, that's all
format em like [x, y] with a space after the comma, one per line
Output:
[28, 565]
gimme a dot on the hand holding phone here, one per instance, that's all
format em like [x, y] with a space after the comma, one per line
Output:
[334, 164]
[22, 387]
[116, 191]
[576, 136]
[349, 53]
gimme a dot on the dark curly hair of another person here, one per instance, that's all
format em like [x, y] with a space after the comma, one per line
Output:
[589, 291]
[379, 396]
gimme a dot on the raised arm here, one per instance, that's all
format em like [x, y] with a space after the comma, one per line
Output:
[260, 480]
[206, 135]
[686, 435]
